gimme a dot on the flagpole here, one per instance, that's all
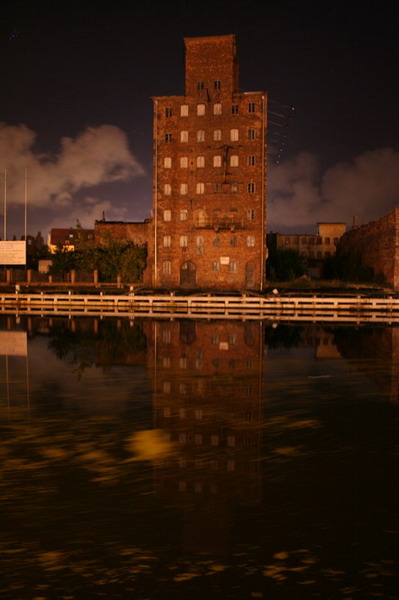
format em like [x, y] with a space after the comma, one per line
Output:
[26, 204]
[5, 206]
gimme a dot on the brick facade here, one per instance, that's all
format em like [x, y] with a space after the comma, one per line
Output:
[123, 231]
[377, 243]
[209, 173]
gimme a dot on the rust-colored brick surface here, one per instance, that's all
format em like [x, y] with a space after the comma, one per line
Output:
[137, 233]
[377, 243]
[209, 176]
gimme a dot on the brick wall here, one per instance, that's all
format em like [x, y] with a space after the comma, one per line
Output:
[377, 243]
[209, 176]
[136, 233]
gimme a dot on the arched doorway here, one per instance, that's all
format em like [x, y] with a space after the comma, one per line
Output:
[250, 275]
[188, 274]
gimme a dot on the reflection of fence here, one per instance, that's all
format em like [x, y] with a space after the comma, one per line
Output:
[306, 308]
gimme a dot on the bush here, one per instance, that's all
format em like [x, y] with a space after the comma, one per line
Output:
[284, 265]
[116, 258]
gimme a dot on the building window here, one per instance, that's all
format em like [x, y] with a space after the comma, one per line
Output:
[200, 244]
[184, 136]
[168, 137]
[183, 241]
[327, 240]
[167, 162]
[234, 109]
[168, 111]
[217, 187]
[234, 188]
[183, 215]
[216, 84]
[200, 188]
[233, 266]
[250, 241]
[200, 135]
[167, 241]
[251, 187]
[183, 162]
[217, 135]
[200, 110]
[183, 189]
[251, 160]
[200, 162]
[184, 110]
[250, 214]
[215, 266]
[234, 135]
[167, 215]
[217, 161]
[251, 134]
[200, 86]
[251, 107]
[233, 241]
[166, 267]
[167, 189]
[216, 241]
[217, 109]
[234, 160]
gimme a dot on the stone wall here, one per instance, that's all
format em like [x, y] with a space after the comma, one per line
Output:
[377, 243]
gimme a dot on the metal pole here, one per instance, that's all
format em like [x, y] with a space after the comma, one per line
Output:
[26, 203]
[155, 204]
[5, 206]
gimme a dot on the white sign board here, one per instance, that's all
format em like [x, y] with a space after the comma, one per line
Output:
[13, 343]
[13, 253]
[225, 260]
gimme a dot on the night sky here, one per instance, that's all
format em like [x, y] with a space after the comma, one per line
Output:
[75, 105]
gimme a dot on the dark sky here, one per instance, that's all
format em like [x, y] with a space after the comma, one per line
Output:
[87, 73]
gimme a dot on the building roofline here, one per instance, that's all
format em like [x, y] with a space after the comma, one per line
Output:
[231, 36]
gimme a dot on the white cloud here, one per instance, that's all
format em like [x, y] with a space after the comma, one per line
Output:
[300, 196]
[97, 155]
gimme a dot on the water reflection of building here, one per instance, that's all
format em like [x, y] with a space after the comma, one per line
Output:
[377, 344]
[207, 401]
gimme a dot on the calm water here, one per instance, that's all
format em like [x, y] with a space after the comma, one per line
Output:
[183, 460]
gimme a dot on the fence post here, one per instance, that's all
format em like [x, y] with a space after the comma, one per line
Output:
[29, 275]
[73, 276]
[9, 275]
[118, 281]
[95, 277]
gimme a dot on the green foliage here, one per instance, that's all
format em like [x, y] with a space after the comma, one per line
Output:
[349, 267]
[116, 258]
[284, 265]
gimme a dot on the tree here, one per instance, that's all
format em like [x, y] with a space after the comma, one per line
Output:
[284, 265]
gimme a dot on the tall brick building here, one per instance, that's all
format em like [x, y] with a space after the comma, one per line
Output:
[209, 176]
